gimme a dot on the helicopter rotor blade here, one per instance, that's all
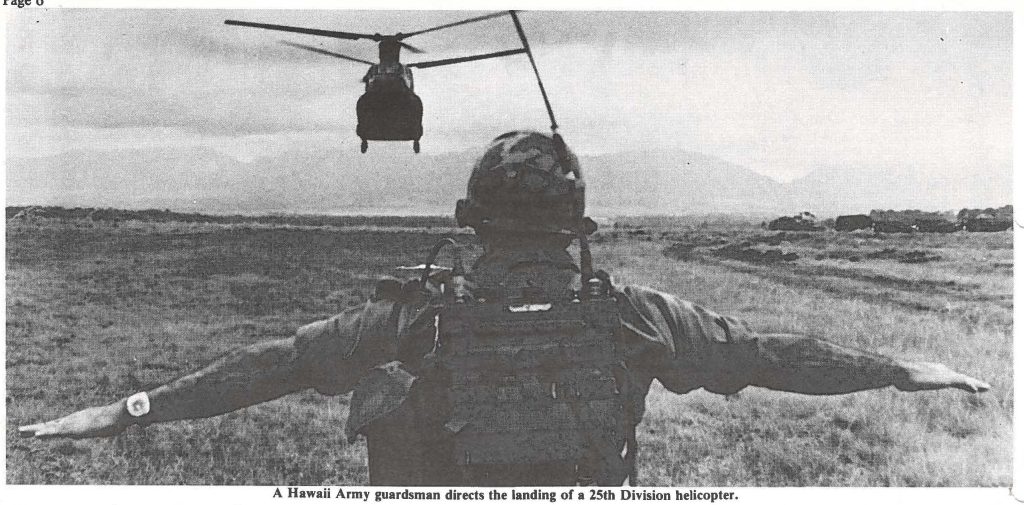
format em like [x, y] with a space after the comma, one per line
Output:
[411, 48]
[463, 59]
[307, 31]
[325, 52]
[457, 23]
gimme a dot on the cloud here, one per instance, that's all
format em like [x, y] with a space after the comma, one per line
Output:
[781, 92]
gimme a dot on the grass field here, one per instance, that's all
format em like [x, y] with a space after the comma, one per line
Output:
[97, 311]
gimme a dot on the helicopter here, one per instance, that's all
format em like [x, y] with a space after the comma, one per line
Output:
[389, 108]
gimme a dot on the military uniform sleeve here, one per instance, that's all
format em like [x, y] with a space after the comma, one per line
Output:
[335, 353]
[689, 347]
[329, 355]
[395, 324]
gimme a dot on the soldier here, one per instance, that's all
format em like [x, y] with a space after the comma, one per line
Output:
[528, 369]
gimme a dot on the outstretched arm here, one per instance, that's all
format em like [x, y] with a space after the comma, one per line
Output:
[694, 347]
[323, 355]
[241, 378]
[807, 365]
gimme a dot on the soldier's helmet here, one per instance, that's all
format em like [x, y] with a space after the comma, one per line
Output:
[520, 185]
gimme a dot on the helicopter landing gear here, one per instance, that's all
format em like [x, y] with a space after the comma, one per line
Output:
[416, 146]
[364, 146]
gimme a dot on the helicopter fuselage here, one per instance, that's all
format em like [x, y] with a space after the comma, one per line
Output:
[389, 111]
[388, 77]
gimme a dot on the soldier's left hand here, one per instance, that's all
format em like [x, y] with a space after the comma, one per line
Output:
[921, 376]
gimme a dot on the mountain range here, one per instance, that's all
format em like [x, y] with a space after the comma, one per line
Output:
[392, 181]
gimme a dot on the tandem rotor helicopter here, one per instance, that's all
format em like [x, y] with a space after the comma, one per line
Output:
[389, 109]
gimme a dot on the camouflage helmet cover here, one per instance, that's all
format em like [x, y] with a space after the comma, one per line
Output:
[519, 185]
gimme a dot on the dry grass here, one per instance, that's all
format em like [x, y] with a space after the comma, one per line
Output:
[95, 312]
[956, 310]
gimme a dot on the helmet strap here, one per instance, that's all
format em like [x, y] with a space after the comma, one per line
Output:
[562, 152]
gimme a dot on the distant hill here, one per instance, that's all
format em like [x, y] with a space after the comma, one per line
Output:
[389, 180]
[842, 190]
[663, 182]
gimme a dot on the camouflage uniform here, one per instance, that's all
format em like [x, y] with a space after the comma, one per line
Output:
[682, 345]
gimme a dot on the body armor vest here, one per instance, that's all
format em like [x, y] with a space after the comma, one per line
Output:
[520, 388]
[534, 383]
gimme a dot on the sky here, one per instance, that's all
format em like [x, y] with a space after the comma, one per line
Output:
[781, 93]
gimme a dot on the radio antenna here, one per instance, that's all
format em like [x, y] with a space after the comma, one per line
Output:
[529, 54]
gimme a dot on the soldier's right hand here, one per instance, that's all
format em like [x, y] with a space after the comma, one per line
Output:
[105, 421]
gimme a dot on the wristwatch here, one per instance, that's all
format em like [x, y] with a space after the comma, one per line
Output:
[138, 404]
